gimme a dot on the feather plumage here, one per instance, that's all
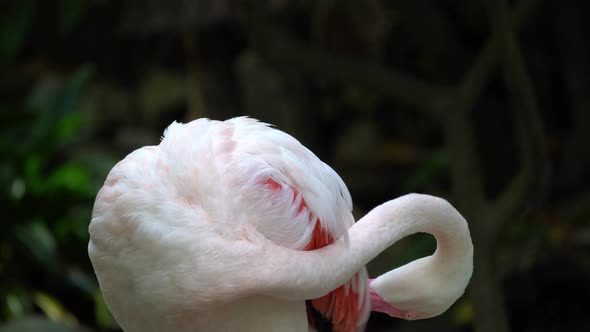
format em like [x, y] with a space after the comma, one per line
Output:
[246, 179]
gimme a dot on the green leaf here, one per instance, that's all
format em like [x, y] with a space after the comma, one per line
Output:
[38, 239]
[54, 105]
[17, 189]
[67, 102]
[83, 280]
[68, 127]
[72, 176]
[33, 173]
[53, 309]
[15, 306]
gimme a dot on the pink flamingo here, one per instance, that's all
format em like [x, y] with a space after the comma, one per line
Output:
[235, 226]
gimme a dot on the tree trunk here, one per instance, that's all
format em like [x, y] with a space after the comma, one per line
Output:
[486, 294]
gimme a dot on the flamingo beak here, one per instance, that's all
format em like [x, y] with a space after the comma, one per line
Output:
[380, 305]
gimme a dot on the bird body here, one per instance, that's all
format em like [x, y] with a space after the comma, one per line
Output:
[236, 226]
[253, 313]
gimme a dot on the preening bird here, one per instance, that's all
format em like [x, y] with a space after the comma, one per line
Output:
[235, 226]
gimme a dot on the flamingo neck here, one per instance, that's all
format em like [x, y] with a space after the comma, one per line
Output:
[311, 274]
[410, 214]
[427, 286]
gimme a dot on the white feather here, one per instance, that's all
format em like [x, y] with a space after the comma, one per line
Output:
[215, 173]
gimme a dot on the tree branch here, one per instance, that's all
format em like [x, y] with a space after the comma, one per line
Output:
[526, 110]
[409, 90]
[466, 177]
[404, 88]
[467, 181]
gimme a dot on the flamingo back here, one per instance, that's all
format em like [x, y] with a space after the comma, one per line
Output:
[286, 193]
[243, 179]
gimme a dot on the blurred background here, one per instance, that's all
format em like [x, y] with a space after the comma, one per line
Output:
[485, 103]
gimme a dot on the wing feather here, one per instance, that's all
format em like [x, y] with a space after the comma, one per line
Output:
[265, 180]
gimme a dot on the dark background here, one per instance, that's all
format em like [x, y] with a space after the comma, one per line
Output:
[485, 103]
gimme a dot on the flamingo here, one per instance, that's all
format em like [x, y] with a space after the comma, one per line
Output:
[235, 226]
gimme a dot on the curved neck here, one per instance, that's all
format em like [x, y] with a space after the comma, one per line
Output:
[303, 275]
[416, 285]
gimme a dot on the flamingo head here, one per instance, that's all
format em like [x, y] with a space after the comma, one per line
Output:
[419, 289]
[380, 305]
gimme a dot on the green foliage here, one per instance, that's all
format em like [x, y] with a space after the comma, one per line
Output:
[46, 190]
[44, 193]
[37, 238]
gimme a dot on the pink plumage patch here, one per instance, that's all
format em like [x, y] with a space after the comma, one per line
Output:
[340, 308]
